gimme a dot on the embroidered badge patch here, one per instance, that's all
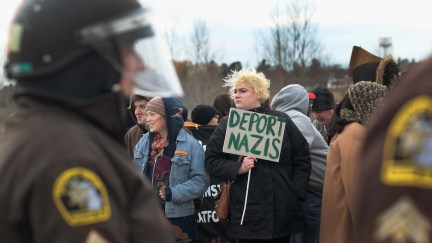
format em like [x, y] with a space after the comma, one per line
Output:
[407, 156]
[81, 197]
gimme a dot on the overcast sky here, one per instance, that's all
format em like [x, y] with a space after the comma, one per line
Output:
[233, 25]
[340, 24]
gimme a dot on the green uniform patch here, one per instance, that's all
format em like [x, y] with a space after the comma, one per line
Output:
[81, 197]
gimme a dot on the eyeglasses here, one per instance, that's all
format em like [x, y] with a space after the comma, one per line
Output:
[216, 116]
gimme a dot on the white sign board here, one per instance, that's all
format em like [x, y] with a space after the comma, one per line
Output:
[252, 133]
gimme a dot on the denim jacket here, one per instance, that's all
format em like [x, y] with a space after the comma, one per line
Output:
[188, 176]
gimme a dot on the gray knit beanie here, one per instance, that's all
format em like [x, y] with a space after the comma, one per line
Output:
[365, 98]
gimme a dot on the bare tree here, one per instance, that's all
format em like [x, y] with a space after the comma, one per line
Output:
[305, 47]
[273, 46]
[200, 41]
[291, 42]
[172, 39]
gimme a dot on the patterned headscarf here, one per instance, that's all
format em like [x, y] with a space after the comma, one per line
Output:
[365, 98]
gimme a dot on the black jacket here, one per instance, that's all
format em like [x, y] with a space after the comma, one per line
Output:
[276, 190]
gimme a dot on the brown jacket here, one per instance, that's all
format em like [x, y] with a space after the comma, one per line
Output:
[63, 179]
[396, 179]
[340, 195]
[133, 135]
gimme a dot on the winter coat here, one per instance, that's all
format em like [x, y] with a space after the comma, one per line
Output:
[209, 226]
[188, 177]
[294, 101]
[276, 190]
[340, 206]
[322, 128]
[65, 179]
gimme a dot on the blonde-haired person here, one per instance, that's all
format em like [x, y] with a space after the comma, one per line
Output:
[276, 190]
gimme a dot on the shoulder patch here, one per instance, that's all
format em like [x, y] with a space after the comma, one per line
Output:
[181, 152]
[95, 237]
[81, 197]
[407, 156]
[402, 222]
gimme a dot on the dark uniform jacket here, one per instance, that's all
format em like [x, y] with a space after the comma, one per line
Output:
[63, 179]
[276, 190]
[396, 177]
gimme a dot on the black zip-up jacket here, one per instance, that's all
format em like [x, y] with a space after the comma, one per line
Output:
[276, 190]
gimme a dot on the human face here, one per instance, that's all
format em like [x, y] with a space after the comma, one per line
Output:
[156, 123]
[132, 64]
[214, 120]
[245, 97]
[140, 111]
[131, 44]
[325, 117]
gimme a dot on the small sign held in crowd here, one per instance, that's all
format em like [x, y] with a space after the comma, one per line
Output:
[252, 133]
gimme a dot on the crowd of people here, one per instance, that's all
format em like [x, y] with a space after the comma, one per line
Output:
[337, 172]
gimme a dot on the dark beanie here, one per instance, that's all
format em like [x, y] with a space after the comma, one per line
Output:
[202, 114]
[324, 99]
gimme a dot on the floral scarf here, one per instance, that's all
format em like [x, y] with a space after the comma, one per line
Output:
[161, 164]
[158, 145]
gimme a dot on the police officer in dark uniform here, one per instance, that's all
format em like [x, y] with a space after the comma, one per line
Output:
[64, 174]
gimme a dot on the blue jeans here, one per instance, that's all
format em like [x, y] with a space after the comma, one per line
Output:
[312, 209]
[188, 225]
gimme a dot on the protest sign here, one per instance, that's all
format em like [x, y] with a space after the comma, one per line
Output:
[252, 133]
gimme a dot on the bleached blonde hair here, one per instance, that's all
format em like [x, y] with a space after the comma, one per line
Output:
[257, 80]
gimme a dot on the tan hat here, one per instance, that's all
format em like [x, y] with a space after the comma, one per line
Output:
[156, 105]
[360, 56]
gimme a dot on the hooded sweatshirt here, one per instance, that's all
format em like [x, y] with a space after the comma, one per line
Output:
[135, 133]
[294, 101]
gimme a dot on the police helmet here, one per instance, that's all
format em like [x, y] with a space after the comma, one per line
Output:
[48, 37]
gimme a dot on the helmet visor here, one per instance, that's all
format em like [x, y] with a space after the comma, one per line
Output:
[132, 46]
